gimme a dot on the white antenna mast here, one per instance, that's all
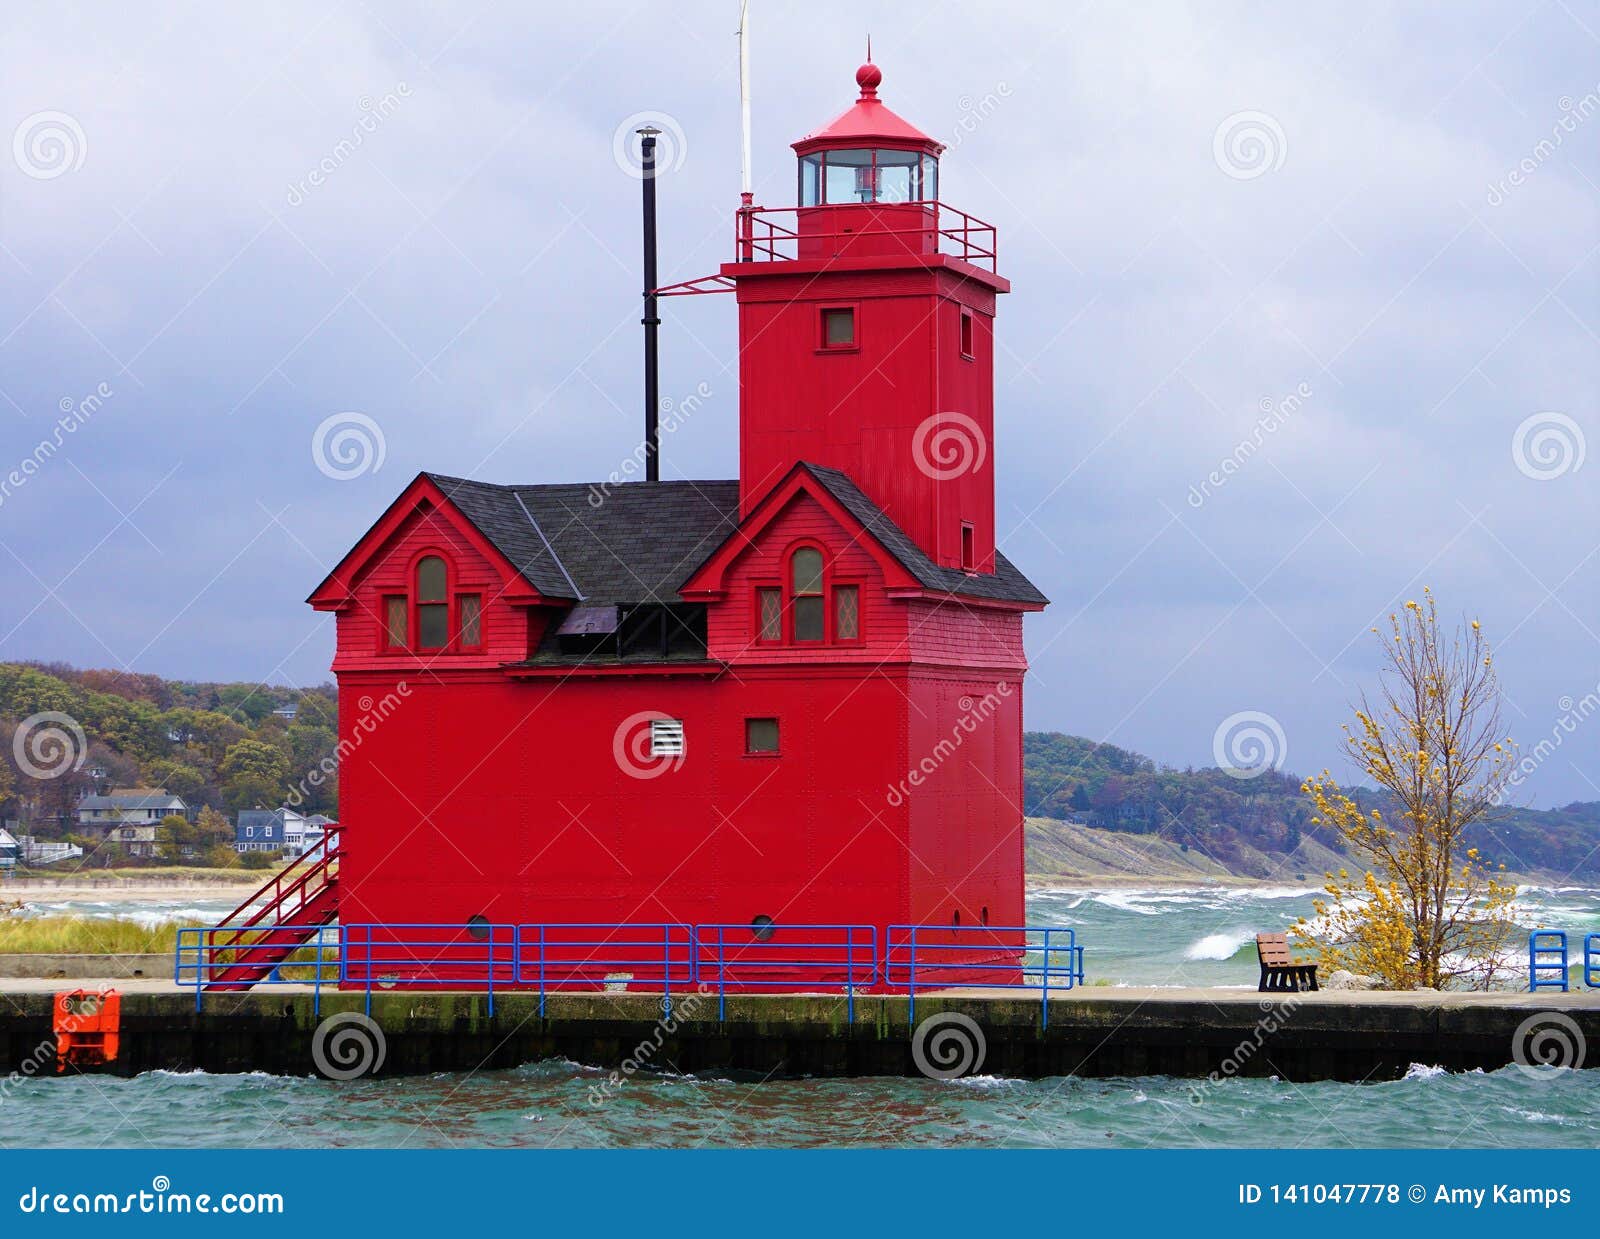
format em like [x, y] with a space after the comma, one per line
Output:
[745, 186]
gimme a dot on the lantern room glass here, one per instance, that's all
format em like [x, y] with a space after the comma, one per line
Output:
[834, 178]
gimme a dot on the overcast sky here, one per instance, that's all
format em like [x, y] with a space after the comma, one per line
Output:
[1204, 210]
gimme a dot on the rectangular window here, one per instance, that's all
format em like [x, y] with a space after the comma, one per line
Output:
[969, 548]
[394, 622]
[433, 625]
[808, 615]
[839, 327]
[470, 607]
[966, 334]
[760, 735]
[847, 613]
[769, 608]
[666, 737]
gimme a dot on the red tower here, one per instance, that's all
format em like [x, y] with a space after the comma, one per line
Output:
[779, 702]
[866, 329]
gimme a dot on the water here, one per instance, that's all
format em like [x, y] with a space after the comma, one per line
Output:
[1199, 935]
[551, 1105]
[1205, 935]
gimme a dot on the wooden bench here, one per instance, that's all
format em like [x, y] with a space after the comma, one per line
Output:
[1279, 971]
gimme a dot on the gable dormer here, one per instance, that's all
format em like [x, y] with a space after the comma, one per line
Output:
[425, 587]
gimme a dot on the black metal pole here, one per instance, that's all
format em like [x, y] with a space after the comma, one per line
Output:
[652, 375]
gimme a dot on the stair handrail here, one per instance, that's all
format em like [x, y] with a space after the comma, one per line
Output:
[315, 861]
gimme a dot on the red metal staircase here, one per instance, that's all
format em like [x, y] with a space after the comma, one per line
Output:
[266, 929]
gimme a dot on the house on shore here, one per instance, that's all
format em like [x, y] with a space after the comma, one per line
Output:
[128, 817]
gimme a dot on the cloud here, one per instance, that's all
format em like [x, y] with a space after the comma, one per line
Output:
[464, 273]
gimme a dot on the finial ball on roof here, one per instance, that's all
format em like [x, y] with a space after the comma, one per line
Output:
[868, 76]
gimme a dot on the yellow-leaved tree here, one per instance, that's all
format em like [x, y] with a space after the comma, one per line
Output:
[1428, 911]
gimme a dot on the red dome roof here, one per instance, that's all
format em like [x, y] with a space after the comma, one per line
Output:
[867, 123]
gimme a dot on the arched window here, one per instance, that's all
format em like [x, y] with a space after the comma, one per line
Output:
[433, 604]
[809, 606]
[805, 575]
[430, 618]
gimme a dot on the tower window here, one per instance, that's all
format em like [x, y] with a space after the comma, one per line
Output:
[966, 334]
[839, 327]
[760, 736]
[969, 548]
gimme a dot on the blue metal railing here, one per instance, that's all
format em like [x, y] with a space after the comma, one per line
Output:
[791, 958]
[663, 958]
[428, 955]
[1015, 957]
[1547, 953]
[1591, 961]
[202, 958]
[582, 954]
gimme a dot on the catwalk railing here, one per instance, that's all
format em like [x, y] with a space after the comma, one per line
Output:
[670, 959]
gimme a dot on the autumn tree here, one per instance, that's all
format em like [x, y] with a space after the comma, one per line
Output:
[1427, 911]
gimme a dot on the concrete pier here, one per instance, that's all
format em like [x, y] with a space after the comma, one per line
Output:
[1094, 1032]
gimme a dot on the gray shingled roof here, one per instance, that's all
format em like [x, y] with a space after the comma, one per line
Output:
[625, 544]
[639, 542]
[1006, 584]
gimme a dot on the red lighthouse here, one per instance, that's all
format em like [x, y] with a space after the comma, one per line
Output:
[789, 700]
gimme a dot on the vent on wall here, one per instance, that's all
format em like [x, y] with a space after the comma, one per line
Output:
[666, 737]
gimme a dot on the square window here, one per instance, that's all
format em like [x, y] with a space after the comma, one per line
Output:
[839, 328]
[394, 622]
[760, 735]
[847, 613]
[470, 607]
[769, 608]
[666, 737]
[966, 334]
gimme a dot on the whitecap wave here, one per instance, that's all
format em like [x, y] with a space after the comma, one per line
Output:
[1219, 946]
